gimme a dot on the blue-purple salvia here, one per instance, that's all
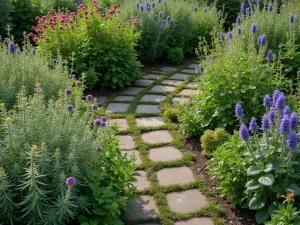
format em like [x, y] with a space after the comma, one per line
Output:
[57, 62]
[205, 10]
[242, 8]
[68, 92]
[258, 2]
[250, 2]
[270, 8]
[161, 28]
[155, 18]
[266, 123]
[168, 18]
[229, 36]
[187, 20]
[163, 22]
[222, 36]
[171, 21]
[247, 10]
[270, 55]
[201, 69]
[239, 111]
[165, 2]
[292, 19]
[285, 125]
[159, 1]
[292, 141]
[244, 133]
[263, 40]
[272, 115]
[153, 4]
[253, 125]
[254, 28]
[287, 111]
[11, 48]
[33, 51]
[132, 18]
[137, 5]
[217, 14]
[69, 108]
[267, 101]
[275, 96]
[238, 20]
[142, 8]
[160, 14]
[294, 121]
[196, 9]
[148, 8]
[97, 123]
[239, 31]
[89, 98]
[280, 102]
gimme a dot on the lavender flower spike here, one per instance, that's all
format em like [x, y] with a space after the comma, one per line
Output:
[222, 36]
[292, 141]
[270, 55]
[285, 125]
[275, 96]
[229, 36]
[244, 133]
[292, 19]
[266, 123]
[280, 102]
[239, 31]
[270, 8]
[254, 28]
[253, 125]
[12, 48]
[294, 121]
[267, 101]
[239, 111]
[238, 20]
[287, 111]
[272, 115]
[201, 69]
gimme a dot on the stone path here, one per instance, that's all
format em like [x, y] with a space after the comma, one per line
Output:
[160, 162]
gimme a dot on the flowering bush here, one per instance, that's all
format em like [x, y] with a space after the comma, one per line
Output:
[103, 46]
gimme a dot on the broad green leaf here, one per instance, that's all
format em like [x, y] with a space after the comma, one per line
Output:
[268, 167]
[252, 170]
[262, 215]
[256, 203]
[253, 185]
[293, 188]
[267, 180]
[99, 211]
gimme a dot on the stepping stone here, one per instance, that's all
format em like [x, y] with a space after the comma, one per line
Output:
[189, 92]
[176, 175]
[192, 84]
[153, 98]
[153, 76]
[101, 99]
[196, 221]
[132, 90]
[126, 142]
[147, 109]
[192, 71]
[193, 66]
[162, 89]
[181, 76]
[168, 69]
[122, 123]
[133, 154]
[198, 61]
[117, 107]
[149, 224]
[172, 82]
[142, 208]
[149, 122]
[186, 201]
[164, 154]
[142, 181]
[180, 100]
[156, 71]
[124, 98]
[143, 83]
[157, 137]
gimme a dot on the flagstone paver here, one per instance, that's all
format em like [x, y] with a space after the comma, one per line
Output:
[164, 154]
[180, 100]
[147, 109]
[132, 90]
[196, 221]
[162, 89]
[149, 122]
[133, 154]
[126, 142]
[122, 123]
[156, 137]
[181, 76]
[173, 82]
[153, 76]
[142, 208]
[142, 182]
[189, 92]
[186, 201]
[192, 71]
[124, 98]
[117, 107]
[192, 84]
[143, 83]
[149, 224]
[177, 175]
[153, 98]
[168, 69]
[101, 99]
[193, 66]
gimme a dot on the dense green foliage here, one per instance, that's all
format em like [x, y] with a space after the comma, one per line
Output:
[5, 10]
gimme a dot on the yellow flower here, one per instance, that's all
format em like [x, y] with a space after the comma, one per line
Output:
[57, 150]
[2, 105]
[22, 86]
[7, 119]
[73, 150]
[38, 84]
[34, 147]
[1, 169]
[43, 144]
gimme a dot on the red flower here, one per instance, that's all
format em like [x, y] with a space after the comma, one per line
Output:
[86, 17]
[62, 44]
[115, 6]
[88, 27]
[44, 17]
[62, 20]
[119, 26]
[99, 34]
[61, 27]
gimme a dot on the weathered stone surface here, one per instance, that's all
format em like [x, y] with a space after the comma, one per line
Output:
[126, 142]
[193, 66]
[192, 71]
[142, 182]
[168, 69]
[133, 154]
[101, 99]
[142, 208]
[124, 98]
[198, 61]
[149, 224]
[117, 107]
[147, 109]
[164, 154]
[156, 137]
[179, 100]
[173, 82]
[153, 76]
[192, 84]
[189, 92]
[153, 98]
[196, 221]
[176, 175]
[181, 76]
[132, 90]
[162, 89]
[186, 201]
[143, 83]
[149, 122]
[122, 123]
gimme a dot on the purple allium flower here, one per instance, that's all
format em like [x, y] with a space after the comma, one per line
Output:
[247, 10]
[254, 28]
[270, 55]
[229, 36]
[171, 21]
[78, 83]
[280, 102]
[272, 115]
[161, 28]
[253, 125]
[267, 101]
[287, 111]
[68, 92]
[270, 8]
[103, 119]
[97, 123]
[99, 149]
[205, 10]
[285, 125]
[239, 111]
[222, 36]
[168, 18]
[103, 124]
[292, 141]
[201, 69]
[141, 8]
[56, 62]
[155, 18]
[160, 14]
[291, 18]
[244, 133]
[89, 98]
[238, 20]
[294, 121]
[94, 107]
[275, 96]
[263, 40]
[70, 181]
[33, 51]
[196, 9]
[69, 108]
[153, 4]
[265, 123]
[11, 48]
[239, 31]
[73, 76]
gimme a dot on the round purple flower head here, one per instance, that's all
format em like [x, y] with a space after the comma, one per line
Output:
[253, 125]
[229, 36]
[254, 28]
[285, 125]
[97, 123]
[89, 98]
[272, 115]
[78, 83]
[270, 8]
[239, 31]
[287, 111]
[292, 19]
[69, 108]
[73, 76]
[238, 20]
[294, 121]
[160, 14]
[12, 48]
[196, 9]
[275, 96]
[267, 101]
[222, 36]
[70, 181]
[292, 141]
[265, 123]
[280, 102]
[68, 92]
[217, 14]
[99, 149]
[201, 69]
[104, 119]
[244, 133]
[270, 55]
[94, 107]
[57, 62]
[239, 111]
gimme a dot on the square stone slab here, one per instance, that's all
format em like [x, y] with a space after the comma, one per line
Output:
[147, 109]
[189, 92]
[153, 98]
[132, 90]
[126, 142]
[168, 69]
[192, 84]
[157, 137]
[181, 76]
[164, 154]
[101, 99]
[122, 123]
[117, 107]
[124, 98]
[172, 82]
[192, 71]
[186, 201]
[142, 182]
[162, 89]
[133, 154]
[142, 208]
[143, 83]
[153, 76]
[176, 175]
[193, 66]
[149, 224]
[196, 221]
[149, 122]
[179, 100]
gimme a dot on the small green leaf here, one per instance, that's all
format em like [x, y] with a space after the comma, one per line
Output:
[293, 188]
[262, 215]
[253, 185]
[256, 203]
[267, 180]
[99, 211]
[268, 167]
[252, 170]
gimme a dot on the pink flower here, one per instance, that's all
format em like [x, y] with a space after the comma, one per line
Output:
[62, 44]
[99, 34]
[46, 38]
[35, 39]
[88, 27]
[37, 18]
[111, 11]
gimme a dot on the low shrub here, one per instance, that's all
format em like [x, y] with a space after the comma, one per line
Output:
[175, 55]
[172, 113]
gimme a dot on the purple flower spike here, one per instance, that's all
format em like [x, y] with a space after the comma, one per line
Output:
[270, 8]
[217, 14]
[168, 18]
[267, 101]
[57, 62]
[205, 10]
[272, 115]
[242, 8]
[280, 102]
[73, 76]
[89, 98]
[155, 18]
[238, 20]
[153, 4]
[262, 40]
[161, 28]
[137, 5]
[33, 51]
[247, 10]
[258, 2]
[294, 121]
[229, 36]
[159, 1]
[292, 19]
[270, 55]
[69, 108]
[12, 48]
[287, 111]
[292, 141]
[97, 123]
[239, 31]
[222, 36]
[171, 21]
[141, 8]
[239, 111]
[78, 83]
[201, 69]
[160, 14]
[285, 125]
[254, 28]
[196, 9]
[244, 133]
[250, 2]
[94, 107]
[265, 123]
[275, 96]
[68, 92]
[70, 181]
[253, 125]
